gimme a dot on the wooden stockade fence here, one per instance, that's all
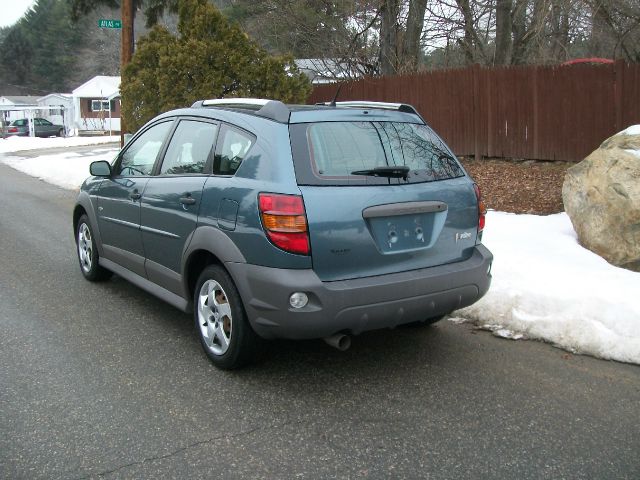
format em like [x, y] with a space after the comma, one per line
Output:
[541, 113]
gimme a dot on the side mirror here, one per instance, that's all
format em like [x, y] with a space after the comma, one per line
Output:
[101, 168]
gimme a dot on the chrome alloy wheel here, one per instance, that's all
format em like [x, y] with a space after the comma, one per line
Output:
[214, 317]
[85, 247]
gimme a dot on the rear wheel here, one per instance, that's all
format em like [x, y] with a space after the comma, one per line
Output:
[88, 253]
[222, 325]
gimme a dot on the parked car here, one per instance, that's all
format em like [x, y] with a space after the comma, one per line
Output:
[42, 128]
[274, 221]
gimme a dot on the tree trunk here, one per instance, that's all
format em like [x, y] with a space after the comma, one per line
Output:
[415, 23]
[503, 31]
[467, 42]
[389, 37]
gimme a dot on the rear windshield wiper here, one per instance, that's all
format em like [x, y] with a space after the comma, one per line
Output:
[399, 171]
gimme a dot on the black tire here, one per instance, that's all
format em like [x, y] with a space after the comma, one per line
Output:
[61, 132]
[87, 252]
[221, 322]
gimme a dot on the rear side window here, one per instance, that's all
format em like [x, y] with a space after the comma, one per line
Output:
[231, 150]
[190, 148]
[329, 152]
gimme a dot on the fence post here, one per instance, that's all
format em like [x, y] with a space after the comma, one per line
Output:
[618, 76]
[477, 119]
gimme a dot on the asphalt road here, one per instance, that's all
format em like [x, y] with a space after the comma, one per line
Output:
[105, 381]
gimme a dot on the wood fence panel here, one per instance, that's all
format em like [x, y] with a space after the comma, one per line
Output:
[543, 113]
[630, 98]
[576, 110]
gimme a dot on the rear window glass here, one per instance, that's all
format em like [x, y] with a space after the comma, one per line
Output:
[330, 152]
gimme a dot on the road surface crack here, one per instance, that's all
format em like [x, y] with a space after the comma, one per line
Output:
[175, 452]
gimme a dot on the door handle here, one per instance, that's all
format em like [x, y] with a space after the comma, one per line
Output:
[135, 195]
[188, 200]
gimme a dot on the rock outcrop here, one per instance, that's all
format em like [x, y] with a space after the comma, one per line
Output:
[601, 195]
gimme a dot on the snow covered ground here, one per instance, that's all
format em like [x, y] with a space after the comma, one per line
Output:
[17, 144]
[545, 285]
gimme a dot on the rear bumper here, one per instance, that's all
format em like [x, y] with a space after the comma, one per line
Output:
[355, 306]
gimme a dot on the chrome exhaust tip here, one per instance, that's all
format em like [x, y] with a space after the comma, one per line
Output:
[340, 341]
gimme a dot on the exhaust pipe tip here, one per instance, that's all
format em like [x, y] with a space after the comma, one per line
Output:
[340, 341]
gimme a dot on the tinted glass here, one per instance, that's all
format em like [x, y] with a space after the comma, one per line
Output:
[231, 151]
[330, 152]
[338, 149]
[189, 149]
[140, 155]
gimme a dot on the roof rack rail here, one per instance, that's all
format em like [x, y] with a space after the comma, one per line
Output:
[401, 107]
[271, 109]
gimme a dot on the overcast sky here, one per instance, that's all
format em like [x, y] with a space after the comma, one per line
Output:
[12, 10]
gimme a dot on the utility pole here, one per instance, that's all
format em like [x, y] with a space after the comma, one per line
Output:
[126, 51]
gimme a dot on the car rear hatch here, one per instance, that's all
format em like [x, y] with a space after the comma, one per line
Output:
[381, 197]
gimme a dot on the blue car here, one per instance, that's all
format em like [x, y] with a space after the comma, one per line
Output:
[270, 221]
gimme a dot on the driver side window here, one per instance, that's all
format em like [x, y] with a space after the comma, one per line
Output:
[140, 155]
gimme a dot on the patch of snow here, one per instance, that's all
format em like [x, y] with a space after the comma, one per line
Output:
[17, 144]
[633, 152]
[66, 170]
[546, 286]
[632, 130]
[458, 320]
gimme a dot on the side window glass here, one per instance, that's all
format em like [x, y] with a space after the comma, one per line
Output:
[36, 121]
[46, 123]
[231, 151]
[140, 155]
[190, 148]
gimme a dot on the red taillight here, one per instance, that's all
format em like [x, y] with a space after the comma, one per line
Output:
[285, 221]
[12, 130]
[482, 210]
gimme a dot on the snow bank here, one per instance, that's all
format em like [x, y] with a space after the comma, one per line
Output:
[632, 130]
[66, 170]
[16, 144]
[546, 286]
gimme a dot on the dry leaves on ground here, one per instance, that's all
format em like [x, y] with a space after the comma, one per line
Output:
[519, 186]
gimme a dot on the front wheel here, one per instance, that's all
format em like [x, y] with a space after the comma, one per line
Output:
[222, 325]
[61, 132]
[88, 253]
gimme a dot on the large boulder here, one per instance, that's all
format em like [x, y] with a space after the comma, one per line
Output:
[601, 195]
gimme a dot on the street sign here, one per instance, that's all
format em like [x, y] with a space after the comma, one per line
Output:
[104, 23]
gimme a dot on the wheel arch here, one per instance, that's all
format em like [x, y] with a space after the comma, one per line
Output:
[207, 246]
[78, 211]
[84, 206]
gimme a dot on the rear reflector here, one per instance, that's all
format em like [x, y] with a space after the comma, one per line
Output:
[285, 222]
[482, 209]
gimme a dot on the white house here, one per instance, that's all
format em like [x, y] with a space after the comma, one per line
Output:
[14, 107]
[60, 109]
[328, 70]
[97, 105]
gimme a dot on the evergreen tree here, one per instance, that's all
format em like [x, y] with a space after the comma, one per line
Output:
[210, 58]
[39, 51]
